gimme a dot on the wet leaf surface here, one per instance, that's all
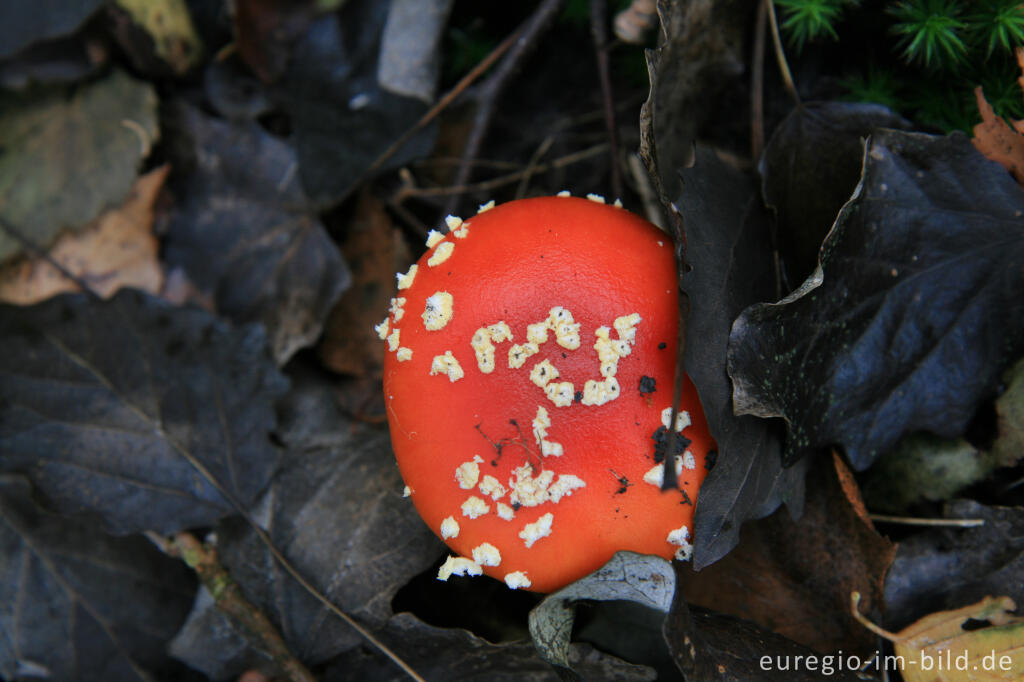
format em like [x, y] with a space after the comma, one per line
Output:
[78, 604]
[70, 153]
[135, 411]
[244, 232]
[811, 166]
[904, 328]
[727, 246]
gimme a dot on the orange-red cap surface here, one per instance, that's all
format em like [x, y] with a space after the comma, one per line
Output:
[531, 355]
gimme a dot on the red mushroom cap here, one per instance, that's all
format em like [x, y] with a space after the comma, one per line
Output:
[527, 384]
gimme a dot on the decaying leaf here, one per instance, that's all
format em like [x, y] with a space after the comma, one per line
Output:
[727, 240]
[140, 413]
[117, 250]
[168, 25]
[647, 580]
[69, 153]
[983, 641]
[997, 140]
[375, 251]
[335, 509]
[455, 654]
[78, 604]
[712, 647]
[944, 568]
[794, 577]
[811, 165]
[700, 51]
[243, 231]
[1008, 447]
[914, 312]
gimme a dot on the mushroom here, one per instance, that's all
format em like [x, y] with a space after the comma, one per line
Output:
[528, 387]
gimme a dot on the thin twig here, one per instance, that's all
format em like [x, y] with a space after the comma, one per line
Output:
[914, 521]
[444, 102]
[757, 85]
[495, 83]
[29, 245]
[599, 32]
[780, 55]
[228, 597]
[531, 167]
[487, 185]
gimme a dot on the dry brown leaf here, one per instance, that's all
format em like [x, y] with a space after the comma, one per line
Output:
[997, 140]
[943, 647]
[375, 251]
[794, 577]
[117, 250]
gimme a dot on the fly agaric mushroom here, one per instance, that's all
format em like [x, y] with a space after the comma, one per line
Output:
[528, 384]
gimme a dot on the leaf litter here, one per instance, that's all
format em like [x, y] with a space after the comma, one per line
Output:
[98, 396]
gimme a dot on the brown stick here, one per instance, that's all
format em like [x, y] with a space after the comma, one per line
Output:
[599, 32]
[229, 600]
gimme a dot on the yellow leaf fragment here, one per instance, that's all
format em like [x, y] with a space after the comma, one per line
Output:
[938, 648]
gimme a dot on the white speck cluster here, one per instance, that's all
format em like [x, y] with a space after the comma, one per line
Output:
[541, 528]
[483, 342]
[682, 419]
[468, 473]
[487, 555]
[449, 528]
[442, 252]
[446, 364]
[457, 565]
[680, 537]
[397, 309]
[516, 580]
[656, 474]
[438, 310]
[405, 281]
[474, 507]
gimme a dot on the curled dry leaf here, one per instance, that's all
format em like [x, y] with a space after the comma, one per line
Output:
[997, 140]
[117, 250]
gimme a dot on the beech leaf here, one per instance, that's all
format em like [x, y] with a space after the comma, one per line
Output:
[78, 604]
[912, 314]
[136, 411]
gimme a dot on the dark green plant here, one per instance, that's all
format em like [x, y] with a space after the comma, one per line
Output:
[998, 24]
[808, 20]
[945, 49]
[930, 32]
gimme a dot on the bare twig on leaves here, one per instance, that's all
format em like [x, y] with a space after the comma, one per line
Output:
[780, 54]
[599, 32]
[228, 597]
[29, 245]
[490, 90]
[757, 84]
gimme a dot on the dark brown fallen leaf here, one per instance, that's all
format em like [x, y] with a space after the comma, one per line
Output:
[794, 577]
[117, 250]
[374, 251]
